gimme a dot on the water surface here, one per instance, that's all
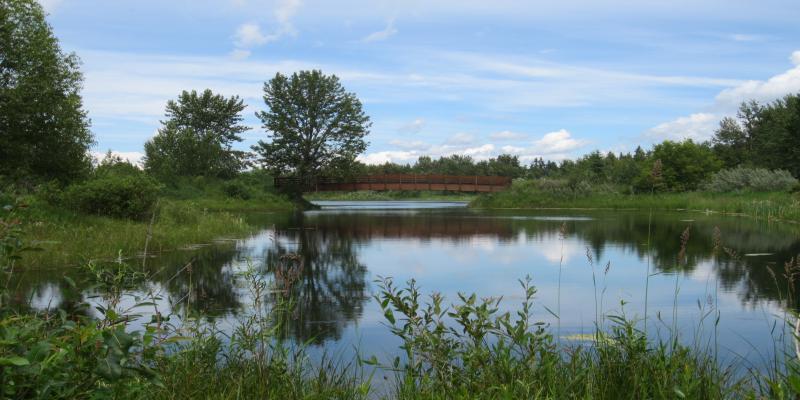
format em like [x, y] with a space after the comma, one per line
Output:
[584, 264]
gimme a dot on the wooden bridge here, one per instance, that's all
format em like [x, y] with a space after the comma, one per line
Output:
[452, 183]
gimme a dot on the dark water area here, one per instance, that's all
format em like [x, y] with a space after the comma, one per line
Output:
[729, 265]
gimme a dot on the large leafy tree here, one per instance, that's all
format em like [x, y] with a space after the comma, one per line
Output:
[197, 136]
[763, 135]
[683, 165]
[775, 135]
[314, 124]
[44, 131]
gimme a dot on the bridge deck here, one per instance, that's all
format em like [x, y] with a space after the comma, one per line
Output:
[454, 183]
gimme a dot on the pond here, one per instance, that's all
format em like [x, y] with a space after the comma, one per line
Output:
[585, 264]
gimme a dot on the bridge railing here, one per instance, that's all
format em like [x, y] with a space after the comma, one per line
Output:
[463, 183]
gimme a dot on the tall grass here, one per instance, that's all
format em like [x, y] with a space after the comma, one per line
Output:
[470, 350]
[70, 238]
[763, 205]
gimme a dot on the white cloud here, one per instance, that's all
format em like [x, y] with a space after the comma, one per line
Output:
[460, 138]
[763, 91]
[557, 145]
[507, 136]
[743, 37]
[558, 142]
[479, 153]
[249, 35]
[50, 5]
[701, 126]
[134, 157]
[240, 54]
[383, 34]
[414, 126]
[383, 157]
[285, 11]
[698, 127]
[412, 145]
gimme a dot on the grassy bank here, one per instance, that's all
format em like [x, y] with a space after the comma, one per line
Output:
[368, 195]
[186, 213]
[765, 205]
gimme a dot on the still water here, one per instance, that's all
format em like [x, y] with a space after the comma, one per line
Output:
[583, 263]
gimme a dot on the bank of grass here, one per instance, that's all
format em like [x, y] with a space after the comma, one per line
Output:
[390, 195]
[186, 213]
[764, 205]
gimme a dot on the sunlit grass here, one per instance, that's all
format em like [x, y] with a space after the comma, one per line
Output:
[764, 205]
[69, 238]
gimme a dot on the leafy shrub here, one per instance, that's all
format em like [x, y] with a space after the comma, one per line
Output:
[236, 190]
[51, 192]
[559, 188]
[743, 179]
[130, 196]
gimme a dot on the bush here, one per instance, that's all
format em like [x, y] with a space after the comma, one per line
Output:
[236, 190]
[743, 179]
[127, 196]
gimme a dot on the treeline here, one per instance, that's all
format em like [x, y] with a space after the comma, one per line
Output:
[760, 149]
[314, 128]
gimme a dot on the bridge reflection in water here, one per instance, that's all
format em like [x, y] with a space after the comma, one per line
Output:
[450, 183]
[341, 251]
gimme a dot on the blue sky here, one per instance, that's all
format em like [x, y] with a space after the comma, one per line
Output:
[536, 79]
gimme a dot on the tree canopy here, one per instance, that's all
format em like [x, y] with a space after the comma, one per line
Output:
[44, 131]
[197, 137]
[314, 124]
[762, 135]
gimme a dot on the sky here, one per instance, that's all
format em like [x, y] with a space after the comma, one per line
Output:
[531, 78]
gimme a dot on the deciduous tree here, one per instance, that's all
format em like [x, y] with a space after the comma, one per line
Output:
[196, 138]
[313, 123]
[44, 131]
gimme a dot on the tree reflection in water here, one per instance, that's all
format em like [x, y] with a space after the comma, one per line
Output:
[331, 287]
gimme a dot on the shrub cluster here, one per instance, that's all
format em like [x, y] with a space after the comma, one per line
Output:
[236, 190]
[743, 179]
[120, 196]
[560, 188]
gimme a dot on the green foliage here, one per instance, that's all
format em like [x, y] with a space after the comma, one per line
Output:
[743, 179]
[55, 355]
[472, 350]
[116, 165]
[685, 165]
[765, 205]
[314, 125]
[118, 196]
[763, 135]
[196, 138]
[236, 190]
[44, 131]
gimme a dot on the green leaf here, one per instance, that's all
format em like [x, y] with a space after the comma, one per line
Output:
[389, 315]
[16, 361]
